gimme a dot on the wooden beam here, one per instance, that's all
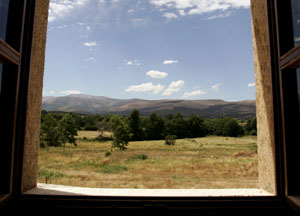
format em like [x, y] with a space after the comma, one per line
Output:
[8, 55]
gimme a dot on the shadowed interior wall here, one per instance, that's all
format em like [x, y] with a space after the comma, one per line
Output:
[264, 97]
[264, 101]
[34, 103]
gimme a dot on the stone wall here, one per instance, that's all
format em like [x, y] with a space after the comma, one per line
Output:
[34, 104]
[264, 98]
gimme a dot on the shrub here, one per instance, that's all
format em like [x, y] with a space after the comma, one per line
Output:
[253, 132]
[107, 153]
[138, 157]
[48, 175]
[170, 140]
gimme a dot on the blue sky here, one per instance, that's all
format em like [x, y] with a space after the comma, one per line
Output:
[150, 49]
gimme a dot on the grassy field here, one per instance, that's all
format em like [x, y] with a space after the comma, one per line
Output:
[209, 162]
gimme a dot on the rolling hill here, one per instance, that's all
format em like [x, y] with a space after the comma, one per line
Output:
[88, 104]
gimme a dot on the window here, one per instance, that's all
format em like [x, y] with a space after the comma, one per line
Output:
[286, 113]
[124, 59]
[288, 38]
[15, 31]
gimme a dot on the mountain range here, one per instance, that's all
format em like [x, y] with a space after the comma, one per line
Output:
[211, 108]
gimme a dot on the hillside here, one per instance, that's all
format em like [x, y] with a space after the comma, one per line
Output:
[98, 104]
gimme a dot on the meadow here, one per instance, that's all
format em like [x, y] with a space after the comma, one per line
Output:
[208, 162]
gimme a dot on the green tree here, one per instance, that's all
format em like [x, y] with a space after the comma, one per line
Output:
[196, 126]
[135, 126]
[176, 126]
[154, 129]
[231, 127]
[68, 129]
[121, 133]
[224, 127]
[251, 127]
[49, 133]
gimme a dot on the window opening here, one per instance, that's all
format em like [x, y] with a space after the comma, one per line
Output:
[3, 17]
[160, 61]
[296, 20]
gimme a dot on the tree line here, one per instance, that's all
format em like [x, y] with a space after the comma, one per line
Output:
[59, 128]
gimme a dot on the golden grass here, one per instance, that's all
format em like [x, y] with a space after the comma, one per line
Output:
[209, 162]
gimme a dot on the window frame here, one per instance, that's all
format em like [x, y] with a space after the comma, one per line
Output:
[275, 205]
[15, 55]
[289, 60]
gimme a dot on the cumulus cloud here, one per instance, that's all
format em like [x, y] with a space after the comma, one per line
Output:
[133, 62]
[173, 87]
[156, 74]
[191, 7]
[251, 84]
[216, 87]
[90, 44]
[170, 16]
[220, 16]
[193, 93]
[69, 92]
[170, 61]
[130, 10]
[146, 87]
[60, 8]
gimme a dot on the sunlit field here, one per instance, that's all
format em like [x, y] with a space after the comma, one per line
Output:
[210, 162]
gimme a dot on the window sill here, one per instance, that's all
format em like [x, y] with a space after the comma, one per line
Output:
[50, 189]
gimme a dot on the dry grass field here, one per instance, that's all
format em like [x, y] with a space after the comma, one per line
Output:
[209, 162]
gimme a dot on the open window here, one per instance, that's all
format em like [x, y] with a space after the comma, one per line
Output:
[287, 15]
[21, 77]
[16, 23]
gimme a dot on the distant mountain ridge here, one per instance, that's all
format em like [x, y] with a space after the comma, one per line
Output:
[210, 108]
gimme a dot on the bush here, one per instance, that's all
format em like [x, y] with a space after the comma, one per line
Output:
[107, 153]
[253, 132]
[170, 140]
[48, 175]
[138, 157]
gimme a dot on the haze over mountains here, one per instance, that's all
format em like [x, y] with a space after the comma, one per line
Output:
[88, 104]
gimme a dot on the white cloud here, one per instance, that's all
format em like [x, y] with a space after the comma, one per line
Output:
[170, 16]
[52, 92]
[219, 16]
[193, 93]
[251, 84]
[69, 92]
[216, 87]
[90, 44]
[134, 62]
[91, 59]
[146, 87]
[156, 74]
[62, 26]
[173, 87]
[62, 8]
[130, 11]
[88, 28]
[191, 7]
[170, 61]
